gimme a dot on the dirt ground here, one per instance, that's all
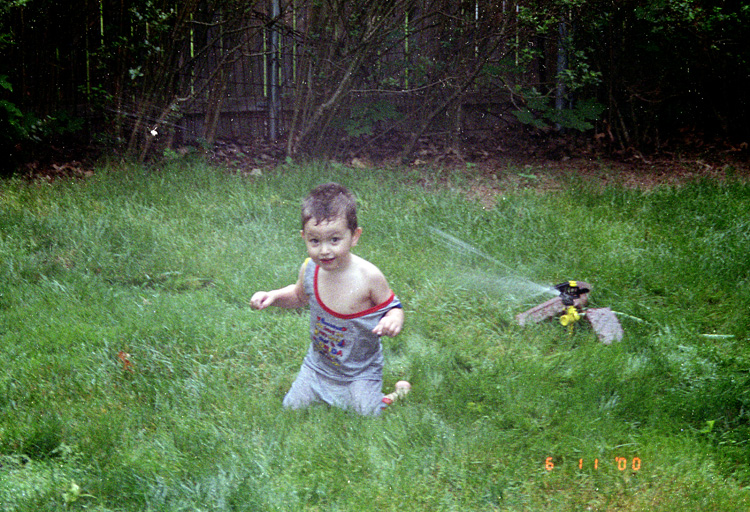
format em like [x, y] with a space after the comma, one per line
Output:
[494, 165]
[550, 175]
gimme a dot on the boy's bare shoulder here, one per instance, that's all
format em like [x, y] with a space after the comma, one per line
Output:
[367, 269]
[373, 279]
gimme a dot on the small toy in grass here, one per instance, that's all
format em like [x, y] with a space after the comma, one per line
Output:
[124, 358]
[402, 389]
[570, 305]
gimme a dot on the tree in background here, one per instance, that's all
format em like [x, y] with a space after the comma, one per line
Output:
[125, 67]
[126, 72]
[23, 125]
[401, 65]
[667, 67]
[339, 52]
[176, 53]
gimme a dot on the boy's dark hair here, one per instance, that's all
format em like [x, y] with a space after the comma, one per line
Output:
[330, 201]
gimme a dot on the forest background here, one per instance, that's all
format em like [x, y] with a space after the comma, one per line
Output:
[375, 78]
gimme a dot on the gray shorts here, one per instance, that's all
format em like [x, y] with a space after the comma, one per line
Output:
[363, 396]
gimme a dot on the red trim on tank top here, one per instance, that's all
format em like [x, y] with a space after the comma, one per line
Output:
[353, 315]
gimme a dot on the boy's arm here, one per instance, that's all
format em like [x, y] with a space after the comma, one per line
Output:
[292, 296]
[393, 321]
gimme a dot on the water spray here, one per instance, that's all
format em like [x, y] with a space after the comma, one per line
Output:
[570, 301]
[507, 282]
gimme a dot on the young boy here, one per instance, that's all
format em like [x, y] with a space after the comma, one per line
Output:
[351, 306]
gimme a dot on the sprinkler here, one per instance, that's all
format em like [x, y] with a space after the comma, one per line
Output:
[572, 290]
[569, 292]
[570, 302]
[570, 317]
[571, 305]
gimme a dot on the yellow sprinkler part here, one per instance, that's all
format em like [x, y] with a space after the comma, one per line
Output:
[570, 317]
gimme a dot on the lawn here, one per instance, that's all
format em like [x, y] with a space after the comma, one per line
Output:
[135, 376]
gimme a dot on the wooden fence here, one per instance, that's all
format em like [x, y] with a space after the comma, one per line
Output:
[60, 65]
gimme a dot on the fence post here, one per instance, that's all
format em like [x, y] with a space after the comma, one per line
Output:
[273, 104]
[561, 100]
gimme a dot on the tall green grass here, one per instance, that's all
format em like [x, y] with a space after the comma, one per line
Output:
[159, 265]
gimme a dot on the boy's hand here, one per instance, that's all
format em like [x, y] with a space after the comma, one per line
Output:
[261, 300]
[290, 296]
[390, 324]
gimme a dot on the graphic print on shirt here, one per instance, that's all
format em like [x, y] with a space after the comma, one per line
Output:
[328, 340]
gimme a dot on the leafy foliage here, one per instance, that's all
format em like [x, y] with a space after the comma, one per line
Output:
[657, 68]
[364, 117]
[540, 112]
[669, 65]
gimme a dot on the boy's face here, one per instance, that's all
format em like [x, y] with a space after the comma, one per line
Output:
[329, 242]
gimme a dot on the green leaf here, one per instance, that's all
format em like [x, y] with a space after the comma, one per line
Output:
[5, 84]
[525, 116]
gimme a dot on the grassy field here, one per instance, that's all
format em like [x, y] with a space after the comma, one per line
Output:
[136, 377]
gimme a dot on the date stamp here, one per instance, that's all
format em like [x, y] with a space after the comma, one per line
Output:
[621, 463]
